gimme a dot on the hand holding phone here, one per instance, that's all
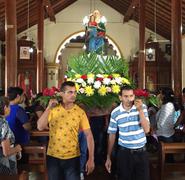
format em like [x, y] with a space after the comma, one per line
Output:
[138, 103]
[52, 103]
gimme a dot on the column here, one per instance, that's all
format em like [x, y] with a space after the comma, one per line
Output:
[141, 63]
[176, 36]
[11, 44]
[40, 38]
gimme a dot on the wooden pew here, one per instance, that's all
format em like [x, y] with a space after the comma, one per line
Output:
[170, 148]
[23, 175]
[36, 159]
[37, 133]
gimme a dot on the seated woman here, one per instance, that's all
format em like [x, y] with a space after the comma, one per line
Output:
[165, 116]
[8, 152]
[165, 119]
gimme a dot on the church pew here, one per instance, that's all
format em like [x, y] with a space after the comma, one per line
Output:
[170, 148]
[36, 159]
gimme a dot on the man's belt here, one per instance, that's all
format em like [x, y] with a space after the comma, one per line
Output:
[142, 149]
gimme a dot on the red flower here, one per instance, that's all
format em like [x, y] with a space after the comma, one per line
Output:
[141, 93]
[50, 92]
[110, 76]
[99, 79]
[46, 92]
[84, 77]
[55, 89]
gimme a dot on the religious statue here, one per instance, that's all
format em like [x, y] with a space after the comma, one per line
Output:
[95, 32]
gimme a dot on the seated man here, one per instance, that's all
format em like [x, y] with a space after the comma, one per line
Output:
[17, 119]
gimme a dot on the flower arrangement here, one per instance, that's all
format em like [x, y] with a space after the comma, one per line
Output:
[98, 90]
[98, 79]
[47, 94]
[146, 97]
[141, 93]
[50, 91]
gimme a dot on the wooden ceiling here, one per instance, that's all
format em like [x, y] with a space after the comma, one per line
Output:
[163, 13]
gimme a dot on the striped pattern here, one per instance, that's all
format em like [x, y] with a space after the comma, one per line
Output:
[165, 120]
[131, 134]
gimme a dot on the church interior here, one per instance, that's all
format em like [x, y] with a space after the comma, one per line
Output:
[39, 37]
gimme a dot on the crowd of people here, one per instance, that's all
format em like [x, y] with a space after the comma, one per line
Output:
[71, 149]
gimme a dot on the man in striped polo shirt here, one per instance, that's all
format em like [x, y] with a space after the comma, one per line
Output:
[131, 121]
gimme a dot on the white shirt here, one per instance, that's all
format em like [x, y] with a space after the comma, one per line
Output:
[165, 120]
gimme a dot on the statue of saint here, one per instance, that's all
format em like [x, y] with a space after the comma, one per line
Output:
[95, 33]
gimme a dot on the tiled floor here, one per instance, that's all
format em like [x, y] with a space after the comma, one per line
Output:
[101, 174]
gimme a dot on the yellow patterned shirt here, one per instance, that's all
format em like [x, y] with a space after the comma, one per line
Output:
[64, 127]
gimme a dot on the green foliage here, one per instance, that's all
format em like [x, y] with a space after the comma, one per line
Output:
[98, 101]
[44, 100]
[84, 64]
[154, 101]
[96, 64]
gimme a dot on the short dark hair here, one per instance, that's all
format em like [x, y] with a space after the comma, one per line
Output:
[125, 87]
[13, 92]
[66, 83]
[3, 102]
[183, 90]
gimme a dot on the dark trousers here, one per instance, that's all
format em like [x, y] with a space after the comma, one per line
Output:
[63, 169]
[132, 165]
[97, 127]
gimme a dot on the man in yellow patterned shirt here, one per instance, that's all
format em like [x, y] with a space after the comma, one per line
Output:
[64, 121]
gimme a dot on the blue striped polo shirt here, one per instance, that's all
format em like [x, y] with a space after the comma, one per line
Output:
[131, 133]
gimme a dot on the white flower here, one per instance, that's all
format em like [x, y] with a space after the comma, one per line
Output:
[81, 90]
[97, 84]
[84, 84]
[90, 80]
[99, 75]
[106, 81]
[113, 81]
[79, 80]
[118, 80]
[109, 89]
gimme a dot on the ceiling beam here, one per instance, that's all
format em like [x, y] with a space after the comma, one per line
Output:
[49, 10]
[62, 4]
[131, 10]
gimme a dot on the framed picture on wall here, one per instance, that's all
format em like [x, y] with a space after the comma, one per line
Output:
[24, 52]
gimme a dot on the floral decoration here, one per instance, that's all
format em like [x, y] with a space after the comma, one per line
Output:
[98, 79]
[141, 93]
[49, 93]
[98, 90]
[148, 99]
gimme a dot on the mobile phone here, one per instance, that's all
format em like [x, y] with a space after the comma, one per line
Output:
[54, 104]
